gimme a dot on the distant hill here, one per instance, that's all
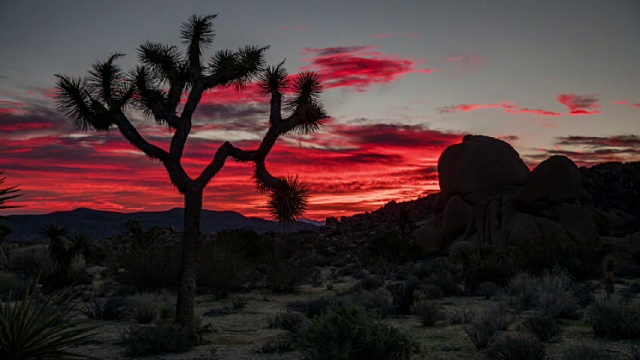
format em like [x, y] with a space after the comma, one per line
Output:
[104, 224]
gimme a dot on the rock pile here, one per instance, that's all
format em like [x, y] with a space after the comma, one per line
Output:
[489, 196]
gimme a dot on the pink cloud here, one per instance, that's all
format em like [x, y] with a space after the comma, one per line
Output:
[533, 111]
[580, 104]
[625, 102]
[360, 67]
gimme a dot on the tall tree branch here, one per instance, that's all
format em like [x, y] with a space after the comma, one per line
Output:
[134, 137]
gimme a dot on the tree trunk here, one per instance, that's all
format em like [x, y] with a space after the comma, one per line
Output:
[190, 240]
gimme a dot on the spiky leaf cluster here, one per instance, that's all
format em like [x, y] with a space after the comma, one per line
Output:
[40, 330]
[289, 200]
[305, 103]
[274, 79]
[237, 68]
[7, 194]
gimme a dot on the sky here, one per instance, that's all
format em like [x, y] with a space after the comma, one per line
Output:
[402, 81]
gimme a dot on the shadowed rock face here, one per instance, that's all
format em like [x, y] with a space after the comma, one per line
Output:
[479, 164]
[491, 197]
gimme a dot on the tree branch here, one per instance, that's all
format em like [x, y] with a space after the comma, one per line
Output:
[134, 137]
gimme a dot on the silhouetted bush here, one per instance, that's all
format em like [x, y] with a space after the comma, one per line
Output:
[481, 329]
[546, 329]
[586, 351]
[292, 321]
[614, 318]
[150, 268]
[141, 340]
[429, 291]
[487, 290]
[371, 282]
[487, 264]
[277, 345]
[111, 308]
[351, 333]
[315, 307]
[555, 299]
[517, 347]
[10, 283]
[428, 312]
[286, 276]
[378, 300]
[32, 329]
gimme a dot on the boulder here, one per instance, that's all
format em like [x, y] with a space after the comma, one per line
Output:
[479, 163]
[457, 214]
[578, 222]
[555, 180]
[522, 231]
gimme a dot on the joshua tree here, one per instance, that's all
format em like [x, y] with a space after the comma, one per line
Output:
[7, 194]
[157, 85]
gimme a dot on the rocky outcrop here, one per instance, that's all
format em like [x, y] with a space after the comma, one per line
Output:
[615, 189]
[479, 164]
[490, 197]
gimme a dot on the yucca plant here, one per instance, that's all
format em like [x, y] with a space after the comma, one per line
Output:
[30, 329]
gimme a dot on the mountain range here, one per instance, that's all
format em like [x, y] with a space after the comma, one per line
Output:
[103, 224]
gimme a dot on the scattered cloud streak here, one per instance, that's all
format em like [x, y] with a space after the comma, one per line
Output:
[359, 67]
[625, 102]
[592, 150]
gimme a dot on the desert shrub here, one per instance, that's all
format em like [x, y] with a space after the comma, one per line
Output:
[523, 288]
[150, 267]
[634, 352]
[378, 300]
[500, 314]
[403, 296]
[111, 308]
[546, 329]
[485, 263]
[585, 351]
[245, 243]
[463, 316]
[614, 318]
[481, 329]
[517, 347]
[390, 246]
[583, 295]
[314, 307]
[557, 303]
[32, 329]
[239, 302]
[291, 321]
[352, 333]
[631, 291]
[428, 312]
[429, 291]
[277, 345]
[286, 276]
[10, 283]
[146, 308]
[369, 283]
[140, 340]
[487, 290]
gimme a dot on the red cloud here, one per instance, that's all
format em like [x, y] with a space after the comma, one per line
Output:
[351, 168]
[359, 67]
[472, 107]
[625, 102]
[580, 104]
[533, 111]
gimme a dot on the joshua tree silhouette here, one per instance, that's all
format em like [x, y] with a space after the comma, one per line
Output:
[100, 100]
